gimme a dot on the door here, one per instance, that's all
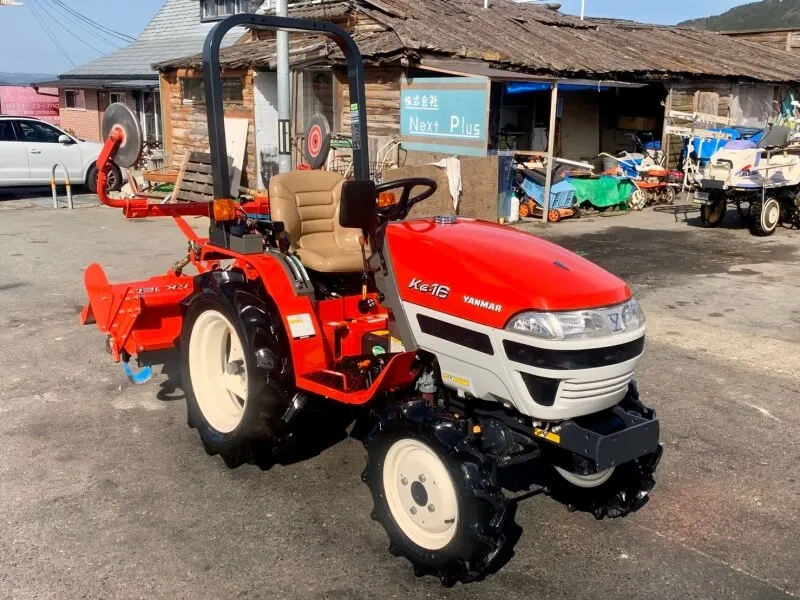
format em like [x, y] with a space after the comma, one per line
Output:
[44, 151]
[13, 156]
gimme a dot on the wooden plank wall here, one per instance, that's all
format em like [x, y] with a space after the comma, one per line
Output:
[383, 100]
[690, 97]
[696, 96]
[782, 40]
[186, 127]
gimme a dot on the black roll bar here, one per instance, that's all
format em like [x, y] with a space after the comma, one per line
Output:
[213, 85]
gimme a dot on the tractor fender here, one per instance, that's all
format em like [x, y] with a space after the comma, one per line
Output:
[267, 276]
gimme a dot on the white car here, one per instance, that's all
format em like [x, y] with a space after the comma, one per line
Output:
[29, 148]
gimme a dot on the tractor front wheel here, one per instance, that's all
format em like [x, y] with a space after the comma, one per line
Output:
[436, 496]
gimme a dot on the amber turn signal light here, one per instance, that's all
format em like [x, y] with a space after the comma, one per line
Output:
[386, 199]
[224, 210]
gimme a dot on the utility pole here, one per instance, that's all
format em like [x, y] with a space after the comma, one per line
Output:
[583, 8]
[284, 95]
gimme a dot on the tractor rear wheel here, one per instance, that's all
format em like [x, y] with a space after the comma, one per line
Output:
[436, 496]
[233, 395]
[765, 217]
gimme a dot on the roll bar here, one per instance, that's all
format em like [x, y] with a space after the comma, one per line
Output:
[213, 86]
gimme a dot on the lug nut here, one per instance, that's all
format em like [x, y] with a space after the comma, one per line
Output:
[413, 510]
[431, 508]
[404, 481]
[422, 478]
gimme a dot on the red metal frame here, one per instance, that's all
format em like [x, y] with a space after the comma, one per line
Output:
[145, 316]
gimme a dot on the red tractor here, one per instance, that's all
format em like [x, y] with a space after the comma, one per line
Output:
[462, 369]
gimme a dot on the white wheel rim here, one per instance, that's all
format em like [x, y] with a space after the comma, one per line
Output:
[638, 200]
[770, 215]
[218, 371]
[420, 494]
[587, 481]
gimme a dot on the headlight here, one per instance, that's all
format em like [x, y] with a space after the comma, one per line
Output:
[579, 325]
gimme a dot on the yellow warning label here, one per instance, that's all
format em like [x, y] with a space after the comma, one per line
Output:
[301, 326]
[454, 379]
[396, 345]
[548, 435]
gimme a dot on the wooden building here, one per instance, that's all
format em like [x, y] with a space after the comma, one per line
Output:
[616, 78]
[784, 38]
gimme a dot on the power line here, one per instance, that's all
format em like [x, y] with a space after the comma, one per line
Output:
[49, 33]
[97, 34]
[64, 27]
[123, 36]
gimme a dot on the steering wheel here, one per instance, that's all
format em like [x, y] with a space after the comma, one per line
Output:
[400, 210]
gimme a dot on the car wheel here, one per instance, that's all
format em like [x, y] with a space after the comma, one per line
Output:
[113, 180]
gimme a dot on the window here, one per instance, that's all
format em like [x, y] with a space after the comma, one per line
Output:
[150, 115]
[75, 99]
[219, 9]
[117, 97]
[34, 131]
[7, 132]
[194, 91]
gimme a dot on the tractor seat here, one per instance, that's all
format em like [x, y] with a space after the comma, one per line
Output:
[307, 202]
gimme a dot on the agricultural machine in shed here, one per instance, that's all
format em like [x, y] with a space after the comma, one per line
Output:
[762, 181]
[462, 369]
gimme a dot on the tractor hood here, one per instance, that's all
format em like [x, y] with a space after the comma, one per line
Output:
[488, 273]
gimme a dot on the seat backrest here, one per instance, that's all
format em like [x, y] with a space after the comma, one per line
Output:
[307, 202]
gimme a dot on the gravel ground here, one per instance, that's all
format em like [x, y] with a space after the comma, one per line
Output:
[105, 492]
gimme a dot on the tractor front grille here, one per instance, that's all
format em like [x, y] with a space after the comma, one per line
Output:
[601, 388]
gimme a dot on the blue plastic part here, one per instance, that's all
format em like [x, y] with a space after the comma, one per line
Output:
[562, 194]
[138, 377]
[525, 87]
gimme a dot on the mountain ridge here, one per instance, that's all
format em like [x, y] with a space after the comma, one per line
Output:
[766, 14]
[24, 78]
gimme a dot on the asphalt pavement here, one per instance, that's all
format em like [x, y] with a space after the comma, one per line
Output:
[106, 493]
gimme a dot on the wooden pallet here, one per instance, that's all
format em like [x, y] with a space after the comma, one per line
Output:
[195, 182]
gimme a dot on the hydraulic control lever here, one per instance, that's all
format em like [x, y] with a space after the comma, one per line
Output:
[365, 305]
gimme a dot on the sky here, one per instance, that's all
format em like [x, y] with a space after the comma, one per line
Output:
[25, 47]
